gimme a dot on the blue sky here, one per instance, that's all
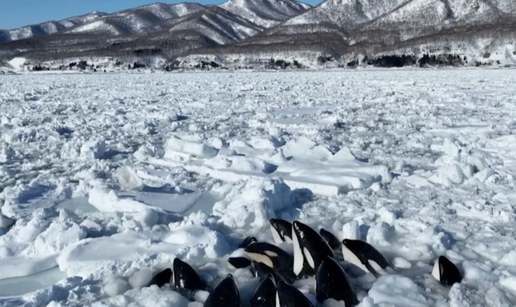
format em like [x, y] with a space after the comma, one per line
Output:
[18, 13]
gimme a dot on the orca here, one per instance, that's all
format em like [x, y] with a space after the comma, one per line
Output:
[310, 249]
[247, 241]
[281, 230]
[271, 255]
[185, 277]
[238, 263]
[225, 294]
[290, 296]
[265, 294]
[162, 278]
[332, 241]
[331, 282]
[364, 256]
[261, 271]
[446, 272]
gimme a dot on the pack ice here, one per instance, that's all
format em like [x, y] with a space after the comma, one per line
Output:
[106, 179]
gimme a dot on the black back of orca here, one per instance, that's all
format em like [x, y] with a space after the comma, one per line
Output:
[247, 241]
[332, 282]
[238, 263]
[262, 270]
[290, 296]
[185, 277]
[224, 295]
[161, 278]
[281, 230]
[367, 254]
[310, 249]
[446, 272]
[332, 241]
[265, 294]
[271, 255]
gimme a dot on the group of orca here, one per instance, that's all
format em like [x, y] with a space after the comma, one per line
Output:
[314, 255]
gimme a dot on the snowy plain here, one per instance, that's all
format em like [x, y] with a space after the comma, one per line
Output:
[108, 178]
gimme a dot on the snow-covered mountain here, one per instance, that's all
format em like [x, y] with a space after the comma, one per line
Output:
[216, 23]
[346, 32]
[265, 13]
[157, 30]
[454, 32]
[47, 28]
[138, 19]
[347, 14]
[465, 28]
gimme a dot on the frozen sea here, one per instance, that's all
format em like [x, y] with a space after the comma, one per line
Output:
[105, 179]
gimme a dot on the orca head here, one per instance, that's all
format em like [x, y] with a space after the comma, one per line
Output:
[364, 256]
[446, 272]
[247, 241]
[310, 249]
[352, 255]
[265, 294]
[225, 294]
[162, 278]
[290, 296]
[332, 241]
[262, 271]
[356, 246]
[281, 230]
[332, 283]
[271, 255]
[238, 263]
[185, 277]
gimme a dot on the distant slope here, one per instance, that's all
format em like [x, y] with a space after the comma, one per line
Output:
[47, 28]
[141, 33]
[342, 32]
[455, 31]
[346, 14]
[137, 19]
[265, 13]
[218, 24]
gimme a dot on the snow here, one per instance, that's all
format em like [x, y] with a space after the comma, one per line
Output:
[398, 291]
[17, 63]
[5, 222]
[97, 26]
[265, 13]
[177, 145]
[105, 180]
[93, 150]
[108, 200]
[351, 230]
[116, 286]
[141, 278]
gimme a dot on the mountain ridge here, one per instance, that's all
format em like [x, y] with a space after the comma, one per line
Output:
[43, 29]
[335, 32]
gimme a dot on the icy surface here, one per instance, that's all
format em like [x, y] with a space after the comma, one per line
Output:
[104, 180]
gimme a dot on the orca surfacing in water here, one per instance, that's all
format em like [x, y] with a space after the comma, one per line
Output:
[270, 255]
[261, 270]
[224, 295]
[364, 256]
[446, 272]
[332, 241]
[238, 263]
[332, 283]
[162, 278]
[265, 294]
[185, 277]
[281, 230]
[290, 296]
[247, 241]
[310, 249]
